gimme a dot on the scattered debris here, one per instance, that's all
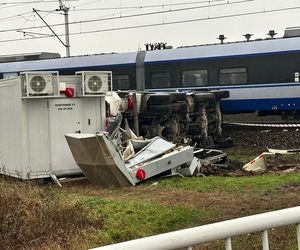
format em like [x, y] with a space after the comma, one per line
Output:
[259, 164]
[54, 178]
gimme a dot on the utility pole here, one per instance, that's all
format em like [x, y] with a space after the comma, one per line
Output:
[65, 9]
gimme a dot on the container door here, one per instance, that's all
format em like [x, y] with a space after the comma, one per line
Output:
[64, 118]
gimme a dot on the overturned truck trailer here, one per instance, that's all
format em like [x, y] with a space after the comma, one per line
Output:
[175, 116]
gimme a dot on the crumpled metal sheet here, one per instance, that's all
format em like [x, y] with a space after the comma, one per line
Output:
[155, 148]
[99, 160]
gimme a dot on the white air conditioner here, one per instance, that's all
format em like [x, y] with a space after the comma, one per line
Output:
[95, 82]
[39, 84]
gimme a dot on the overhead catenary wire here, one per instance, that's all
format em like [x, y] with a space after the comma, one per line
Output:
[131, 16]
[161, 24]
[5, 5]
[30, 2]
[149, 6]
[87, 3]
[13, 17]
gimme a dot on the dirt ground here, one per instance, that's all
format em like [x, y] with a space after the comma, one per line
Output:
[262, 138]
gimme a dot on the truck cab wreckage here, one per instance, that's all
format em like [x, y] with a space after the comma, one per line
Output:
[106, 162]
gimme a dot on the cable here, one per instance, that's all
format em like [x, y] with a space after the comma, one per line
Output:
[88, 3]
[134, 15]
[29, 2]
[9, 17]
[7, 5]
[149, 6]
[161, 24]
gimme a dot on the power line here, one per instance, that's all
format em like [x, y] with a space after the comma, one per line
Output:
[161, 24]
[134, 15]
[149, 6]
[12, 17]
[6, 5]
[29, 2]
[87, 3]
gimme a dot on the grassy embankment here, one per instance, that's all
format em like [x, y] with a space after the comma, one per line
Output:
[81, 216]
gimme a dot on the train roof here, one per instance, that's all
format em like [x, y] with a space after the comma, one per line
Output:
[237, 49]
[252, 48]
[76, 62]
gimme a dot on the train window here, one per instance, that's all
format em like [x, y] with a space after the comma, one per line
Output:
[233, 76]
[161, 80]
[121, 82]
[191, 78]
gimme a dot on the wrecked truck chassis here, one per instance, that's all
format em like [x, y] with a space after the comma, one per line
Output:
[175, 116]
[102, 162]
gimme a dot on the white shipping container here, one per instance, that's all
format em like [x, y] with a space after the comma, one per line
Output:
[32, 142]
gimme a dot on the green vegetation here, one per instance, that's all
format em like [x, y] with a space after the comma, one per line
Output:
[82, 216]
[243, 154]
[233, 184]
[125, 220]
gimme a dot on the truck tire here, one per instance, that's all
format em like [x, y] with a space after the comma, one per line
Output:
[194, 130]
[158, 99]
[178, 96]
[221, 94]
[204, 97]
[160, 109]
[179, 107]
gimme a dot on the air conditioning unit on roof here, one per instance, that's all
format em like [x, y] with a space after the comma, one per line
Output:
[95, 82]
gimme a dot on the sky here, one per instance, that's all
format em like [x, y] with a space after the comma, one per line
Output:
[193, 22]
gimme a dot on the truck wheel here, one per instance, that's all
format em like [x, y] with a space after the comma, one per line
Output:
[178, 96]
[194, 130]
[204, 97]
[160, 109]
[179, 107]
[158, 99]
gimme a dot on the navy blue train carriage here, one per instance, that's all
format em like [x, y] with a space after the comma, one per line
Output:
[261, 75]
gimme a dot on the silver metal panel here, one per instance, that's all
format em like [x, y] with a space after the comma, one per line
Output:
[99, 160]
[11, 146]
[157, 147]
[140, 71]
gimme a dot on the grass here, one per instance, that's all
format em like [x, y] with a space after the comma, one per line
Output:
[33, 218]
[242, 154]
[82, 216]
[125, 220]
[233, 184]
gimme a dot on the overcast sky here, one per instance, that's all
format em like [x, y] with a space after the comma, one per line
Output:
[179, 34]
